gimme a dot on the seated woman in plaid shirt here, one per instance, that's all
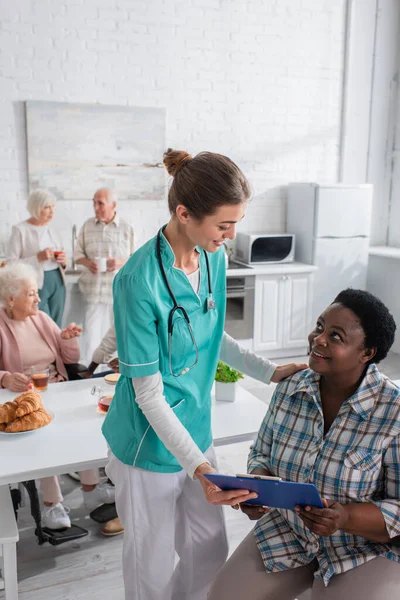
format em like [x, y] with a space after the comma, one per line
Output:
[336, 425]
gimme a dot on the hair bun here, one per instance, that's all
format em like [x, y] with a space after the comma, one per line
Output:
[175, 160]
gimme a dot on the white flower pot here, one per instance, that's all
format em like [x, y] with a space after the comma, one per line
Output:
[225, 392]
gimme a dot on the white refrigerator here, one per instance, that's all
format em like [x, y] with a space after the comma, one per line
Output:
[332, 227]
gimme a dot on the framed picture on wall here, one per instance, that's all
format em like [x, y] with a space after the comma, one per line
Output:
[74, 149]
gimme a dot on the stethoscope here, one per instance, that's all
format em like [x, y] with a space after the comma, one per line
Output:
[178, 307]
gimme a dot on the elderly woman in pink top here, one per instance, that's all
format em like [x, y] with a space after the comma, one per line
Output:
[30, 337]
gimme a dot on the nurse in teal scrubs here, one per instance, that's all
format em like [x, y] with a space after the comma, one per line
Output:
[169, 309]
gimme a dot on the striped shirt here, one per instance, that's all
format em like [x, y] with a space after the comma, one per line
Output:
[357, 460]
[100, 240]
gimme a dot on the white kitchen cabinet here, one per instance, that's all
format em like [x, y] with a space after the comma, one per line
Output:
[282, 313]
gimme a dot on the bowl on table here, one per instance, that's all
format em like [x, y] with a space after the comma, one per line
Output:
[112, 378]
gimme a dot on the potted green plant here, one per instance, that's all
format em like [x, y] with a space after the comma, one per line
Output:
[226, 379]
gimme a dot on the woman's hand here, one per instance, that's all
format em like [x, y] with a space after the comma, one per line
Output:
[284, 371]
[254, 512]
[46, 254]
[213, 493]
[16, 382]
[323, 521]
[61, 258]
[114, 365]
[71, 331]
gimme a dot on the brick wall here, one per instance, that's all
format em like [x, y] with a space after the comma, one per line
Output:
[258, 80]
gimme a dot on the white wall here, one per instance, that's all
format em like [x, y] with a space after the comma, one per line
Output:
[394, 163]
[260, 81]
[382, 116]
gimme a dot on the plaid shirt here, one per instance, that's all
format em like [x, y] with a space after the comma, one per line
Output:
[357, 460]
[98, 239]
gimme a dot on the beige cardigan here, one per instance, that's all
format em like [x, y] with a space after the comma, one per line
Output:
[24, 245]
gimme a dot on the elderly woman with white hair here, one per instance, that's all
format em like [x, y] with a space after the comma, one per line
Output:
[37, 242]
[29, 337]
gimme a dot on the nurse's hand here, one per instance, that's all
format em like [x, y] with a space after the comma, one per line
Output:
[214, 495]
[284, 371]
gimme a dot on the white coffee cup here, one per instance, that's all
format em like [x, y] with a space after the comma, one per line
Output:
[101, 263]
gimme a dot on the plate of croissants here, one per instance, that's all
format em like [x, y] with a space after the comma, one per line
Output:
[24, 414]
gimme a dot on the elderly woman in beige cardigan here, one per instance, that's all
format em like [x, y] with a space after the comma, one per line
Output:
[30, 337]
[38, 242]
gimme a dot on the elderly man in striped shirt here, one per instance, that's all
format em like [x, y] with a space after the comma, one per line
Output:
[104, 244]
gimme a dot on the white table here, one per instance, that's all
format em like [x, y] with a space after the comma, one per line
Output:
[74, 442]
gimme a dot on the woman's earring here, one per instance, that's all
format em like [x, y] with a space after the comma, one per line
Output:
[10, 307]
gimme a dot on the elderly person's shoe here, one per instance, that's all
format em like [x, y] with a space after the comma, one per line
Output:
[103, 493]
[113, 527]
[56, 517]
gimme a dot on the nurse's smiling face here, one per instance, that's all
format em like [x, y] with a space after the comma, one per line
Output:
[212, 230]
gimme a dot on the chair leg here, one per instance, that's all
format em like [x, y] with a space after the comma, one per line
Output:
[16, 500]
[35, 509]
[10, 571]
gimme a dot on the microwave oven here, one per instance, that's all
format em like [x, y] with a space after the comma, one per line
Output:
[263, 249]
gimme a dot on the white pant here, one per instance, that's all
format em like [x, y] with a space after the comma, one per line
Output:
[163, 513]
[96, 322]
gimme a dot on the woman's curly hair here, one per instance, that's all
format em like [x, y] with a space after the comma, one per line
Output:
[377, 322]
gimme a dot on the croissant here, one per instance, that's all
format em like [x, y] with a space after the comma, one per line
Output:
[28, 402]
[34, 420]
[8, 411]
[3, 426]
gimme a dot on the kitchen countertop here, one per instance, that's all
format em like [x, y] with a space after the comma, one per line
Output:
[72, 276]
[290, 268]
[237, 271]
[385, 252]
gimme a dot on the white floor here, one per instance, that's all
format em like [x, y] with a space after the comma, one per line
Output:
[91, 567]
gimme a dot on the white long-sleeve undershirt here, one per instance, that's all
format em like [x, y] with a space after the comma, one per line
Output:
[149, 392]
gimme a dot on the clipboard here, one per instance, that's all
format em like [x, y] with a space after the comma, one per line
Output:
[271, 493]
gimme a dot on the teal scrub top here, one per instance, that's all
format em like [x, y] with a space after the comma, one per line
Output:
[141, 308]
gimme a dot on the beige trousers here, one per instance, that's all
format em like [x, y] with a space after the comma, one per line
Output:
[244, 577]
[51, 490]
